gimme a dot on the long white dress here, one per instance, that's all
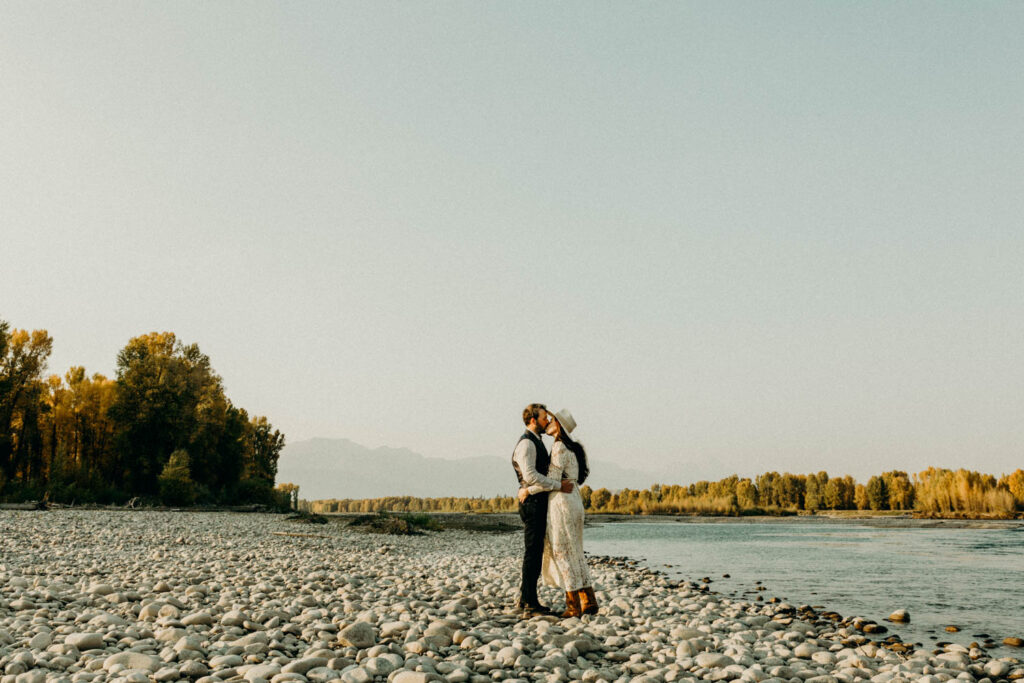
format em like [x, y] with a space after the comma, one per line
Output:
[564, 565]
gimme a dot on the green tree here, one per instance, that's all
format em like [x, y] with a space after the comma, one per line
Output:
[839, 493]
[814, 495]
[877, 494]
[264, 444]
[768, 489]
[166, 392]
[176, 485]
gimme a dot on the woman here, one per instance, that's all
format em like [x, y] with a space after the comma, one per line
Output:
[564, 565]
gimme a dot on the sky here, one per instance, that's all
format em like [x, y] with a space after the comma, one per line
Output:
[730, 237]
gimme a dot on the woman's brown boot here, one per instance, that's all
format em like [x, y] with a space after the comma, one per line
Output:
[588, 601]
[572, 605]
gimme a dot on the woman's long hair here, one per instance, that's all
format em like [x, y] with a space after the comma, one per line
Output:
[576, 448]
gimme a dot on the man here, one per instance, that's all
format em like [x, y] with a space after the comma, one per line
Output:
[531, 461]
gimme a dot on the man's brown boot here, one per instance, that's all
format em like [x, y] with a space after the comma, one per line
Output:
[588, 601]
[572, 605]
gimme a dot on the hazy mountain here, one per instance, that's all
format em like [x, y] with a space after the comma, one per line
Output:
[339, 468]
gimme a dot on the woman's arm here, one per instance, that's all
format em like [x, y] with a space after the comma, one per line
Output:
[554, 471]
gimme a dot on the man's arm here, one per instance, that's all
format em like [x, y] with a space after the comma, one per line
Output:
[526, 457]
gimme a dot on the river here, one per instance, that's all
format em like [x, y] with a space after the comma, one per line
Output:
[972, 578]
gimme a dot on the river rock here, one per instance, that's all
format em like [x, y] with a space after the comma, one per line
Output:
[197, 619]
[225, 661]
[261, 672]
[359, 635]
[382, 666]
[41, 641]
[301, 666]
[958, 659]
[683, 633]
[168, 673]
[234, 618]
[132, 660]
[85, 641]
[713, 660]
[321, 674]
[393, 628]
[257, 638]
[997, 668]
[1014, 641]
[356, 675]
[266, 602]
[194, 669]
[107, 619]
[439, 633]
[805, 650]
[900, 616]
[411, 677]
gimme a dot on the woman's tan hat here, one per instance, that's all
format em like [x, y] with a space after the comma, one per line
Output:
[565, 419]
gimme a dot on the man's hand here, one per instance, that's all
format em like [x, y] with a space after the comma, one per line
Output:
[567, 485]
[523, 495]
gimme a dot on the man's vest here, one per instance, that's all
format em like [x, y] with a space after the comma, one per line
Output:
[543, 459]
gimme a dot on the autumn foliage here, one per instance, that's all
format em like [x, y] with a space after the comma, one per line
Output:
[935, 491]
[162, 429]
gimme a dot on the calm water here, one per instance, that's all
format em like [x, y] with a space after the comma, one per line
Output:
[971, 578]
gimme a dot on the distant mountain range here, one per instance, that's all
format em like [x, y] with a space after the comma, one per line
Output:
[339, 468]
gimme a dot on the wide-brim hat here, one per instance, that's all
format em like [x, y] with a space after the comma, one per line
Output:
[565, 419]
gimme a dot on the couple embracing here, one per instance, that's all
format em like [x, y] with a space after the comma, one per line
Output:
[552, 512]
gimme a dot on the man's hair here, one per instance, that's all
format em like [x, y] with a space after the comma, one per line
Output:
[533, 411]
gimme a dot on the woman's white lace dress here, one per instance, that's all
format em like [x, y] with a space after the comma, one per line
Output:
[564, 565]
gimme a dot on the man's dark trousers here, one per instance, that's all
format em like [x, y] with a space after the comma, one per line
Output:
[534, 513]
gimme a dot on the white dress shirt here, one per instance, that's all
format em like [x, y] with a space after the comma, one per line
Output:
[525, 457]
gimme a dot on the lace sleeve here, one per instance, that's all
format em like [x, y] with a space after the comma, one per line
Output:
[554, 472]
[559, 460]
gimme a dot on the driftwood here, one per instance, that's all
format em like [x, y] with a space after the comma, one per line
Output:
[31, 505]
[288, 533]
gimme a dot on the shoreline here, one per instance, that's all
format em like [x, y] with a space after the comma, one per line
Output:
[233, 598]
[886, 519]
[485, 522]
[470, 520]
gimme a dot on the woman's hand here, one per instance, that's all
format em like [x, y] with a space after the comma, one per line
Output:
[523, 495]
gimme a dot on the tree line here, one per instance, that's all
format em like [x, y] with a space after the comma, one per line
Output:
[935, 491]
[162, 429]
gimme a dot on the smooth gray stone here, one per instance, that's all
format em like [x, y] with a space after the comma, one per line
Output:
[85, 641]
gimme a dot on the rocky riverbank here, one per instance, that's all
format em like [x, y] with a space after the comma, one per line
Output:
[101, 596]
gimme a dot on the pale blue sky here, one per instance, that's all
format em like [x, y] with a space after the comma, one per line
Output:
[745, 236]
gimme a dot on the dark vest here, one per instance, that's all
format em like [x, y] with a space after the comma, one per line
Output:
[543, 458]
